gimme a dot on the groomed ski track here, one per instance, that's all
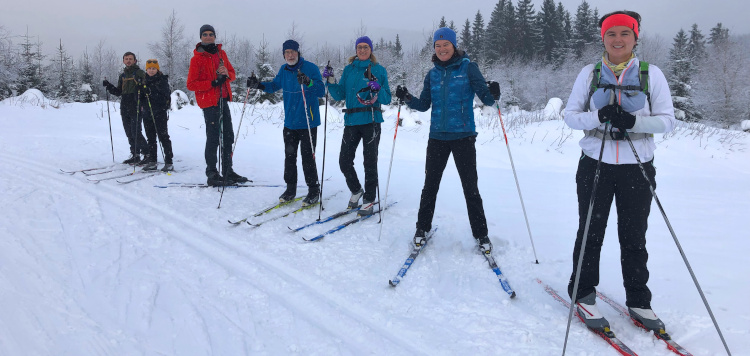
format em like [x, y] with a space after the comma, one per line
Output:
[113, 269]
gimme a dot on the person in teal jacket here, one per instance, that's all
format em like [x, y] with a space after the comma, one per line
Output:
[364, 86]
[301, 120]
[449, 88]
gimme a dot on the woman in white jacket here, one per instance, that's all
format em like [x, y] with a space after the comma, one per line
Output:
[619, 94]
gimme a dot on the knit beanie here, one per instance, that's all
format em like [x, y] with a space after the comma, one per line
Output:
[290, 44]
[152, 63]
[445, 33]
[364, 39]
[205, 28]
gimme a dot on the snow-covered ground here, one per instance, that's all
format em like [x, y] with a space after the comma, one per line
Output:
[130, 269]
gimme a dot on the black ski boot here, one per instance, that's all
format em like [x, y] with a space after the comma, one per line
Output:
[215, 180]
[233, 177]
[289, 194]
[132, 159]
[313, 196]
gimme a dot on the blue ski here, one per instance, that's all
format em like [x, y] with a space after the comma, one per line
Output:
[410, 260]
[345, 224]
[326, 219]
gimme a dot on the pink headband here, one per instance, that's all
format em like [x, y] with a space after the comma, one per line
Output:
[620, 20]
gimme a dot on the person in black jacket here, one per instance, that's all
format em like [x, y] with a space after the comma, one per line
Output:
[127, 87]
[155, 99]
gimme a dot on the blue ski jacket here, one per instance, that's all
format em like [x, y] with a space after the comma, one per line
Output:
[450, 88]
[295, 116]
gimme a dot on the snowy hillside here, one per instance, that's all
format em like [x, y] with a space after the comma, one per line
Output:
[131, 269]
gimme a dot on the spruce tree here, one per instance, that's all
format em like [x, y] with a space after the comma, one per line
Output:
[465, 42]
[442, 23]
[551, 30]
[584, 32]
[494, 41]
[697, 43]
[681, 69]
[509, 21]
[526, 33]
[31, 68]
[85, 90]
[718, 35]
[63, 74]
[477, 38]
[398, 51]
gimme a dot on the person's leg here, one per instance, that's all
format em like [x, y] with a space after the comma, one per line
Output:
[349, 142]
[465, 157]
[163, 133]
[150, 128]
[436, 159]
[633, 201]
[309, 167]
[370, 144]
[211, 118]
[604, 194]
[228, 138]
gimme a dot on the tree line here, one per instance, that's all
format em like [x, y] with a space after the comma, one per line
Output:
[534, 54]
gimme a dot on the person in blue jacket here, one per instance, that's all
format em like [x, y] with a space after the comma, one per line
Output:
[301, 120]
[364, 86]
[449, 88]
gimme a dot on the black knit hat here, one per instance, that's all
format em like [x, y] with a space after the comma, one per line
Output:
[205, 28]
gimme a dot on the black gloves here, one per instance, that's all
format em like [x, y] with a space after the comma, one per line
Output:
[618, 117]
[494, 89]
[403, 94]
[219, 81]
[303, 79]
[608, 112]
[253, 83]
[107, 84]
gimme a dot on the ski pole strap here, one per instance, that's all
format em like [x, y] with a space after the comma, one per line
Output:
[616, 135]
[365, 109]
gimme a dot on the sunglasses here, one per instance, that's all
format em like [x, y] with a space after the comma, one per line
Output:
[152, 61]
[208, 34]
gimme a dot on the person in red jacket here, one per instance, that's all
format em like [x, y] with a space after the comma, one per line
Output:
[209, 76]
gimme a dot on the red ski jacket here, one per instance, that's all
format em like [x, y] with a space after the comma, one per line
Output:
[202, 72]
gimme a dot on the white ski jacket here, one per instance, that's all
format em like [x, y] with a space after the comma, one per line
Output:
[659, 118]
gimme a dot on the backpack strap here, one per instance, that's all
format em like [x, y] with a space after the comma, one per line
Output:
[643, 78]
[594, 85]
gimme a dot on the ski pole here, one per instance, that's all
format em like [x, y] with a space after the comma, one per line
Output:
[518, 187]
[325, 132]
[309, 133]
[586, 228]
[109, 118]
[372, 110]
[137, 124]
[676, 241]
[221, 140]
[390, 164]
[153, 119]
[240, 125]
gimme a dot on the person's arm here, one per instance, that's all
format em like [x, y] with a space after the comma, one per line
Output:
[661, 118]
[318, 89]
[230, 69]
[576, 116]
[425, 98]
[338, 91]
[275, 84]
[384, 96]
[194, 73]
[479, 85]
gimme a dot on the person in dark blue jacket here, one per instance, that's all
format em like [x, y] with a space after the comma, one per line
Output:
[449, 88]
[301, 118]
[364, 86]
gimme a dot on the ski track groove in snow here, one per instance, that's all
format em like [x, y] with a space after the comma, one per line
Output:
[313, 305]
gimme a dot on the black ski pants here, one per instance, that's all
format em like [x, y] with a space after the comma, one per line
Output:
[156, 125]
[465, 157]
[369, 134]
[214, 116]
[624, 183]
[294, 139]
[131, 123]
